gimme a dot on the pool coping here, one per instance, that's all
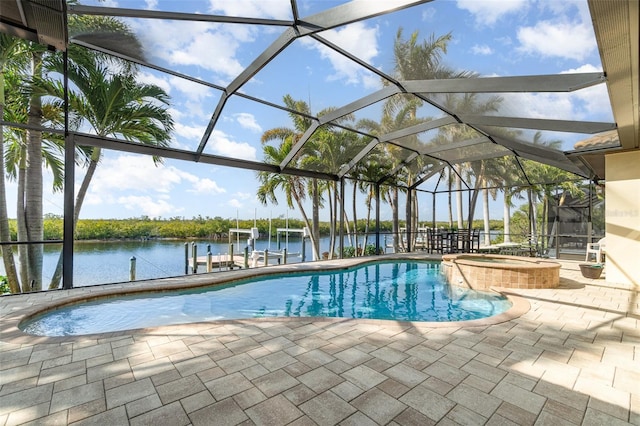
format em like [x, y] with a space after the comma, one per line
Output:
[36, 303]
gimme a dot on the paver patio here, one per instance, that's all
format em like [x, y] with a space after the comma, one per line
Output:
[572, 358]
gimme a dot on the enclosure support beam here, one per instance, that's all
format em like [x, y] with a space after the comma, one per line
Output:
[69, 190]
[409, 220]
[341, 233]
[69, 207]
[377, 217]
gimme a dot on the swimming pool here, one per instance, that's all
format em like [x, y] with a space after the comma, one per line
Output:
[404, 290]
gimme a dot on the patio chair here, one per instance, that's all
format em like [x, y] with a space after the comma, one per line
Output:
[597, 249]
[475, 241]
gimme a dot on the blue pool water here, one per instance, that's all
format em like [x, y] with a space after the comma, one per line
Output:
[405, 291]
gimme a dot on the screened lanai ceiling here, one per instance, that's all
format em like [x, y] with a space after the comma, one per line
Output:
[330, 55]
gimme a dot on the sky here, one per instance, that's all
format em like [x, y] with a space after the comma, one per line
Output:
[491, 38]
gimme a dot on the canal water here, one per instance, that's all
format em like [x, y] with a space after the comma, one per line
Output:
[108, 261]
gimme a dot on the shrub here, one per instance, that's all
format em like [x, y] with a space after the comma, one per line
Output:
[348, 252]
[4, 285]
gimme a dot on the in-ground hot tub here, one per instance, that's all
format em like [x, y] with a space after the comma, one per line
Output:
[482, 271]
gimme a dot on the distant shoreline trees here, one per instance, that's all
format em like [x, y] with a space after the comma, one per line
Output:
[183, 228]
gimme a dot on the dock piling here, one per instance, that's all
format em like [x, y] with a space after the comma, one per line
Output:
[209, 266]
[194, 253]
[132, 268]
[186, 258]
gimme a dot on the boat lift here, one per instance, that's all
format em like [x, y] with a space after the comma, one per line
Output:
[242, 259]
[281, 254]
[304, 233]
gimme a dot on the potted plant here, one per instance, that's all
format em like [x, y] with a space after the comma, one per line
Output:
[591, 270]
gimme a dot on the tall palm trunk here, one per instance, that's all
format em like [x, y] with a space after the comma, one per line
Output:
[347, 226]
[5, 235]
[307, 223]
[545, 222]
[332, 221]
[316, 219]
[368, 222]
[355, 219]
[485, 214]
[339, 201]
[23, 254]
[532, 213]
[33, 187]
[395, 219]
[409, 225]
[507, 216]
[459, 198]
[450, 198]
[416, 215]
[480, 176]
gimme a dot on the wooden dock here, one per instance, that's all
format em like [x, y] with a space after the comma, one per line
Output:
[224, 261]
[219, 261]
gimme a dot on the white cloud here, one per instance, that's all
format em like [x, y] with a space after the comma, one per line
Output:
[540, 105]
[584, 104]
[583, 69]
[177, 114]
[138, 174]
[481, 49]
[243, 195]
[209, 46]
[248, 121]
[557, 39]
[356, 38]
[235, 203]
[428, 14]
[193, 91]
[592, 99]
[506, 40]
[371, 81]
[148, 78]
[149, 206]
[191, 133]
[276, 9]
[488, 12]
[129, 172]
[200, 51]
[219, 143]
[207, 186]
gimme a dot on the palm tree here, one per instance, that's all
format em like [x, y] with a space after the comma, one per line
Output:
[29, 175]
[365, 175]
[489, 170]
[419, 61]
[11, 58]
[330, 149]
[293, 186]
[542, 174]
[17, 164]
[24, 154]
[414, 61]
[116, 106]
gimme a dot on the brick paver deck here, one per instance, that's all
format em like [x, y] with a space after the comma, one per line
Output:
[572, 358]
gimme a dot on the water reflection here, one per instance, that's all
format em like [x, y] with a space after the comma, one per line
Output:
[405, 290]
